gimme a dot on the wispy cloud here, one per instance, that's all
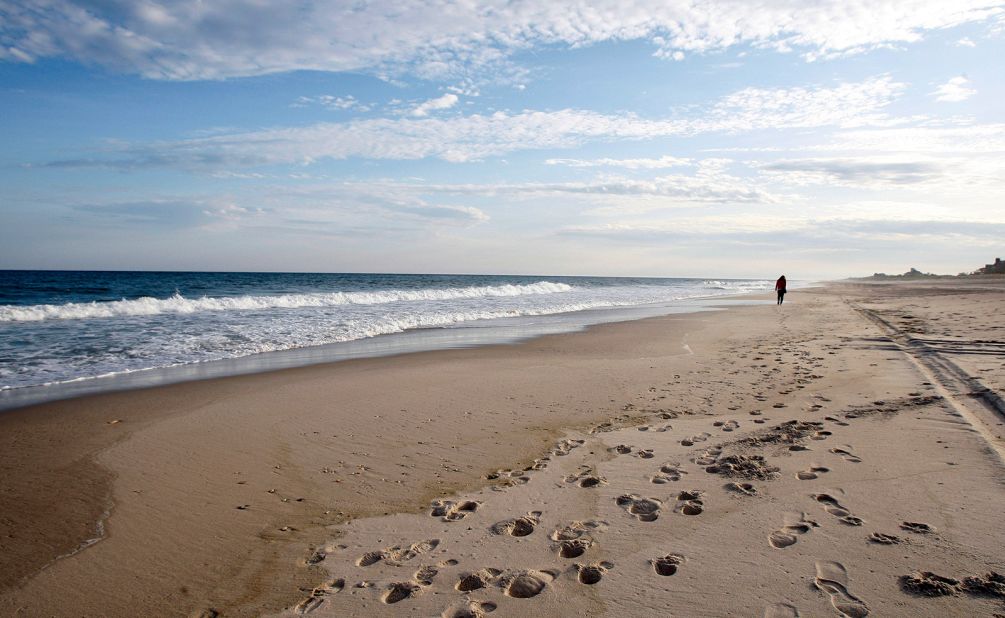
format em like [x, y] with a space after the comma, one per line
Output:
[962, 137]
[633, 164]
[860, 171]
[478, 136]
[836, 233]
[445, 102]
[441, 39]
[955, 90]
[166, 212]
[332, 102]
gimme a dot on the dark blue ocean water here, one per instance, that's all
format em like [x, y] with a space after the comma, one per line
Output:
[65, 326]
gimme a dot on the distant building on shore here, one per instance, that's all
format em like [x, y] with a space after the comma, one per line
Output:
[998, 268]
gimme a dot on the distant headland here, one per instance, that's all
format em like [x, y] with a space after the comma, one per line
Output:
[997, 268]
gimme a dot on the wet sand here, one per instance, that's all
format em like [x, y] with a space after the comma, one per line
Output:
[761, 461]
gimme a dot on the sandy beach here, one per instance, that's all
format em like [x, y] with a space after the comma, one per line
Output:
[841, 454]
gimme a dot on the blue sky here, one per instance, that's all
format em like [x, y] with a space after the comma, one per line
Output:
[625, 138]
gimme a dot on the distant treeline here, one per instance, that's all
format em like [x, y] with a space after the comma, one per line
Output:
[998, 268]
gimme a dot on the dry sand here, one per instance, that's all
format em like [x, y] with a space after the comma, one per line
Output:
[838, 455]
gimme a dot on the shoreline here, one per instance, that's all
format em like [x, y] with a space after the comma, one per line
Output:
[498, 331]
[106, 419]
[307, 451]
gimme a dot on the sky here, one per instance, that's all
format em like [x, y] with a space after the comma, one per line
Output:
[728, 139]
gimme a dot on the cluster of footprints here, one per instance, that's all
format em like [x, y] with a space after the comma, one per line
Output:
[573, 540]
[569, 542]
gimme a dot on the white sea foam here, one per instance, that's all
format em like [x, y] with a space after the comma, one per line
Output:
[70, 342]
[180, 305]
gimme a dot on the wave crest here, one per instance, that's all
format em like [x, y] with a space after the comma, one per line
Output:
[178, 304]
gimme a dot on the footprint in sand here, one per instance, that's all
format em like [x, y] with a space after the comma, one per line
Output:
[646, 453]
[399, 591]
[517, 477]
[667, 565]
[519, 526]
[644, 509]
[781, 610]
[744, 489]
[821, 435]
[881, 538]
[316, 556]
[573, 540]
[726, 425]
[394, 556]
[796, 524]
[590, 574]
[917, 528]
[476, 580]
[453, 511]
[621, 449]
[317, 598]
[586, 477]
[697, 438]
[835, 508]
[668, 472]
[508, 478]
[565, 447]
[813, 472]
[836, 421]
[928, 584]
[690, 502]
[708, 457]
[469, 610]
[424, 576]
[832, 578]
[525, 584]
[846, 454]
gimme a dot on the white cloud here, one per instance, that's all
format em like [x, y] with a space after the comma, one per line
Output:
[793, 233]
[966, 42]
[961, 138]
[955, 136]
[332, 102]
[477, 136]
[858, 171]
[846, 105]
[700, 188]
[365, 203]
[633, 164]
[955, 90]
[708, 182]
[443, 39]
[445, 102]
[977, 177]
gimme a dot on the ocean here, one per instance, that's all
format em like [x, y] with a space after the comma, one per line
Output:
[74, 327]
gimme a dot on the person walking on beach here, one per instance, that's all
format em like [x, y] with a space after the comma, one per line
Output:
[780, 288]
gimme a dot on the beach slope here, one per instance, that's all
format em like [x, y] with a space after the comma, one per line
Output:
[840, 454]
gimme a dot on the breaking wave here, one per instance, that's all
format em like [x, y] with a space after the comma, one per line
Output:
[180, 305]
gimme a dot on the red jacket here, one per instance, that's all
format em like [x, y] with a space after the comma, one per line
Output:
[780, 284]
